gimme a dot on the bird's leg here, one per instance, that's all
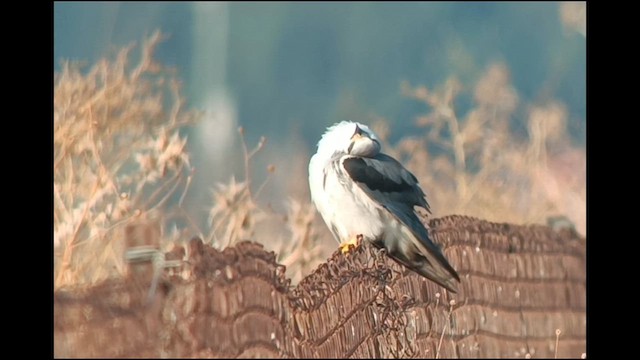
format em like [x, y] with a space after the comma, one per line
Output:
[353, 242]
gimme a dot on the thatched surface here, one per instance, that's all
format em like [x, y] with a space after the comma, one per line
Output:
[519, 285]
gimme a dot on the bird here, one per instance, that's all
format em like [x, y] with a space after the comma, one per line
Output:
[364, 194]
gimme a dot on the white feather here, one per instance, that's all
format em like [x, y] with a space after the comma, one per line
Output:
[342, 204]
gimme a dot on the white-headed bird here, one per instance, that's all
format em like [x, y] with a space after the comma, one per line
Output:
[365, 194]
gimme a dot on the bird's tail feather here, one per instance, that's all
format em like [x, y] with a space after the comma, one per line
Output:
[444, 278]
[428, 262]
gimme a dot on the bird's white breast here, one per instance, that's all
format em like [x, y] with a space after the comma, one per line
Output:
[342, 204]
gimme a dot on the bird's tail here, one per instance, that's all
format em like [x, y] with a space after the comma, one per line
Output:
[428, 261]
[440, 272]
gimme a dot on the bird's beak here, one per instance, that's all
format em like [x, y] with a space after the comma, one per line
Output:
[357, 137]
[358, 134]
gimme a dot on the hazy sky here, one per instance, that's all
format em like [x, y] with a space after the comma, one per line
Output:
[307, 65]
[287, 70]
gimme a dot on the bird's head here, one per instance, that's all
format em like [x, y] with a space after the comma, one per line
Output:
[349, 138]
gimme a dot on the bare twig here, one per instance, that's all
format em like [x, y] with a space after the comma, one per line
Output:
[249, 155]
[451, 304]
[264, 183]
[186, 187]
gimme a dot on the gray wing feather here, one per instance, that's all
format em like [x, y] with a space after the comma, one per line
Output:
[388, 183]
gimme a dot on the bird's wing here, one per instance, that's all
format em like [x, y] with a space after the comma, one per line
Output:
[388, 183]
[392, 186]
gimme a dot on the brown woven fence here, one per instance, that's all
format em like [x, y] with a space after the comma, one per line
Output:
[522, 294]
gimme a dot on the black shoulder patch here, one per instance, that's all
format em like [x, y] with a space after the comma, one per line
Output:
[372, 178]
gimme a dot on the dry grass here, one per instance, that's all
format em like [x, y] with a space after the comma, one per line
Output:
[235, 212]
[120, 157]
[239, 214]
[302, 252]
[480, 168]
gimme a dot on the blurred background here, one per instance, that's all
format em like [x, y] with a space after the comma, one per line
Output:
[485, 102]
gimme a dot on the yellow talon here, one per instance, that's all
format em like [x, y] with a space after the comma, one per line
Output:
[354, 242]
